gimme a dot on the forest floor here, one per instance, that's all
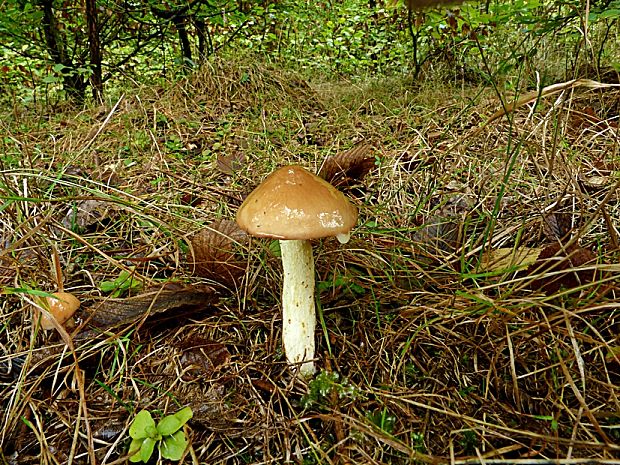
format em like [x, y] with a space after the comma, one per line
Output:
[472, 318]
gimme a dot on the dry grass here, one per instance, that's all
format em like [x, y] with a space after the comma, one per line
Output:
[440, 359]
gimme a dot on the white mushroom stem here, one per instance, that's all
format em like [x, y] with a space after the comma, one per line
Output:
[298, 312]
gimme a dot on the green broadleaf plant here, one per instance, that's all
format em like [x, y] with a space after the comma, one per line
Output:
[120, 285]
[168, 434]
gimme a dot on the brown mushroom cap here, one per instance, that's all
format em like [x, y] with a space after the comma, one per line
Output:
[61, 306]
[293, 203]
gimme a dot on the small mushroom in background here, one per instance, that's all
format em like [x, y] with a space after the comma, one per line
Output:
[56, 309]
[294, 206]
[61, 306]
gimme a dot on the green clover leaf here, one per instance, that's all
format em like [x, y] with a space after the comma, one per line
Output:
[167, 435]
[169, 425]
[136, 445]
[142, 426]
[172, 447]
[173, 423]
[184, 415]
[148, 445]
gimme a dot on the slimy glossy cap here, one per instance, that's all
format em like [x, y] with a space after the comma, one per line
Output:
[61, 306]
[293, 203]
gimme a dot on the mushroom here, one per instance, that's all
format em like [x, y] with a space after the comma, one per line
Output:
[294, 206]
[61, 306]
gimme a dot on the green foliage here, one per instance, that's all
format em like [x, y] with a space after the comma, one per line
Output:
[345, 282]
[553, 422]
[168, 435]
[417, 439]
[323, 385]
[121, 285]
[382, 419]
[352, 39]
[610, 11]
[140, 39]
[469, 441]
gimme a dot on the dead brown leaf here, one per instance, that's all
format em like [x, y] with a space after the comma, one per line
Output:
[113, 312]
[348, 168]
[557, 225]
[593, 181]
[215, 254]
[557, 267]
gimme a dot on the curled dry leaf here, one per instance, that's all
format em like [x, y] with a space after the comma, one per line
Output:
[593, 181]
[348, 168]
[216, 255]
[107, 315]
[556, 268]
[113, 312]
[557, 226]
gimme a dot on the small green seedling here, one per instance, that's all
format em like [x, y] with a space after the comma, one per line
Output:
[168, 433]
[125, 282]
[321, 388]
